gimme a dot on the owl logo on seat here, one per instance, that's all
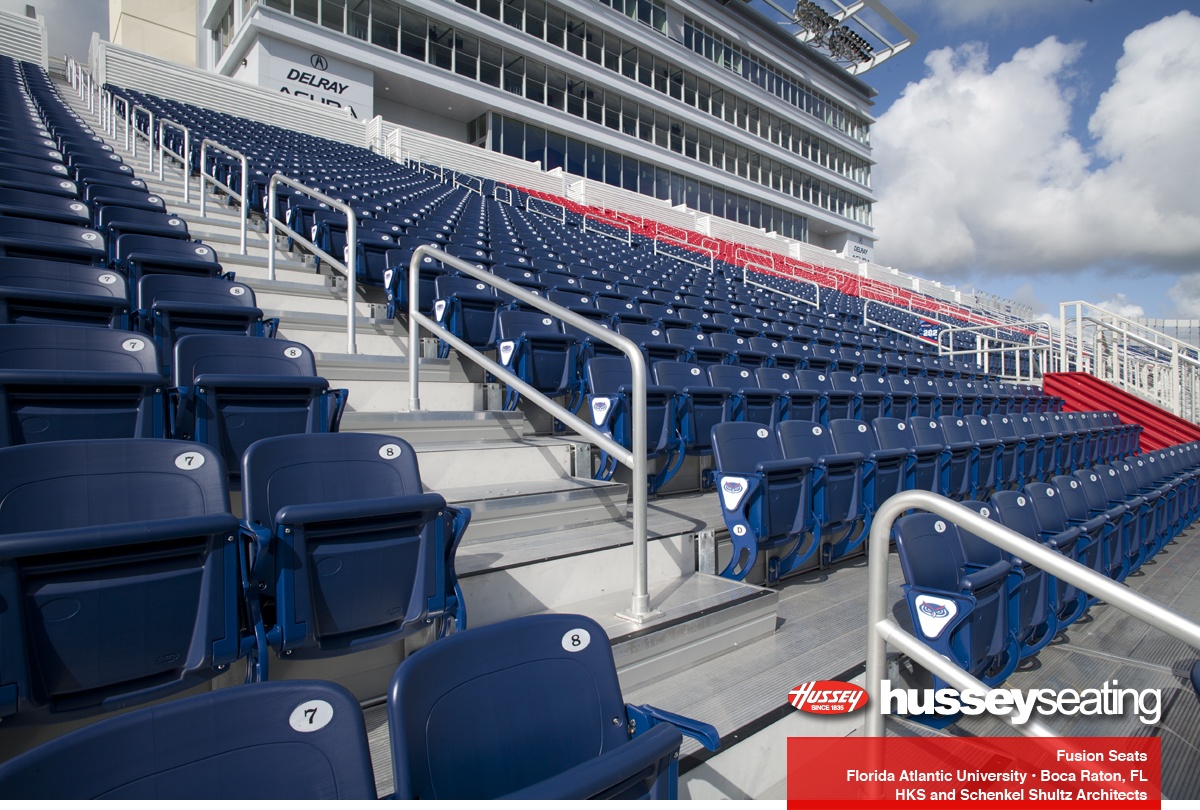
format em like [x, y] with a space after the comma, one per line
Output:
[732, 487]
[933, 609]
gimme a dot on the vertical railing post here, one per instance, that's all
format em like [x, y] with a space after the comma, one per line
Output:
[414, 339]
[203, 187]
[351, 286]
[271, 185]
[245, 202]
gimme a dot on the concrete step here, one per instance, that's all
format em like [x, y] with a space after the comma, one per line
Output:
[326, 332]
[702, 617]
[439, 426]
[380, 383]
[517, 508]
[482, 463]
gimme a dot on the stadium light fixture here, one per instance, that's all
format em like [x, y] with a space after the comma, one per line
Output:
[842, 33]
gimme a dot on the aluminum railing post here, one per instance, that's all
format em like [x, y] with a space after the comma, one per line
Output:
[270, 227]
[351, 286]
[414, 330]
[203, 190]
[245, 201]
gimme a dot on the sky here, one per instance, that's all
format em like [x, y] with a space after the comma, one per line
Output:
[1045, 150]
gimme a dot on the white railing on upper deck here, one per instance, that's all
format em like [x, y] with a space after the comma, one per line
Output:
[1145, 362]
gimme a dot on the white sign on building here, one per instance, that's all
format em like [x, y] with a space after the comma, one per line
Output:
[858, 251]
[310, 73]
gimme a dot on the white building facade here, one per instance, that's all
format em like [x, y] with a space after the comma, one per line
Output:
[709, 106]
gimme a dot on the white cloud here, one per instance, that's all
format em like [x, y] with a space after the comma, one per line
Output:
[1185, 296]
[1121, 305]
[977, 169]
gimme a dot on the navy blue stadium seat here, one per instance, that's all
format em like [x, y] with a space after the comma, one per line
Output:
[121, 553]
[840, 517]
[346, 551]
[885, 472]
[170, 307]
[698, 404]
[928, 464]
[37, 239]
[765, 499]
[609, 392]
[137, 255]
[42, 291]
[534, 347]
[467, 308]
[74, 382]
[958, 608]
[299, 740]
[561, 730]
[233, 391]
[1037, 621]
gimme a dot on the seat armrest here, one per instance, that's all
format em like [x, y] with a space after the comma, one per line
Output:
[841, 458]
[371, 507]
[612, 769]
[980, 579]
[784, 465]
[925, 449]
[258, 381]
[90, 538]
[1064, 537]
[645, 717]
[885, 455]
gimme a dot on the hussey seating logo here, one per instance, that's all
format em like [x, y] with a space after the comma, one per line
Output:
[828, 697]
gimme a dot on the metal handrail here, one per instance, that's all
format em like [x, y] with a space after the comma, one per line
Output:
[183, 159]
[347, 268]
[881, 631]
[149, 136]
[1037, 345]
[634, 459]
[242, 198]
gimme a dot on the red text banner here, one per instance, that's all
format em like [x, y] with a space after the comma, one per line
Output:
[856, 773]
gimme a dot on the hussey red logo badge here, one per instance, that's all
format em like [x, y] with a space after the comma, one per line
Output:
[828, 697]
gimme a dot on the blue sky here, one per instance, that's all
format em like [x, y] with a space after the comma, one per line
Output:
[1077, 245]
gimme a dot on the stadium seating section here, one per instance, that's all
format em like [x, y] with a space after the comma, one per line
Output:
[132, 362]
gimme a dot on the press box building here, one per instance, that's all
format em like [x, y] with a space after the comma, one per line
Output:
[716, 107]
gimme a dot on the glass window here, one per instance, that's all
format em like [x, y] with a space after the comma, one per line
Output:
[514, 138]
[358, 19]
[612, 53]
[556, 26]
[595, 105]
[646, 179]
[412, 34]
[718, 202]
[645, 68]
[466, 55]
[307, 9]
[385, 24]
[595, 163]
[556, 150]
[612, 168]
[575, 36]
[706, 198]
[576, 97]
[514, 74]
[280, 5]
[691, 193]
[595, 44]
[690, 139]
[646, 124]
[556, 89]
[491, 8]
[629, 118]
[576, 157]
[662, 183]
[612, 111]
[441, 42]
[677, 185]
[535, 82]
[333, 14]
[490, 60]
[629, 61]
[629, 174]
[535, 145]
[535, 18]
[514, 13]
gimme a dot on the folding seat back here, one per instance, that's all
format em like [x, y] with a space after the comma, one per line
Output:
[839, 506]
[36, 239]
[765, 498]
[566, 732]
[21, 179]
[700, 347]
[1068, 537]
[234, 390]
[129, 197]
[998, 462]
[822, 358]
[927, 398]
[849, 360]
[138, 255]
[468, 308]
[740, 348]
[958, 609]
[121, 553]
[395, 280]
[875, 400]
[885, 472]
[534, 346]
[235, 749]
[1121, 524]
[609, 394]
[116, 220]
[346, 548]
[171, 306]
[1038, 615]
[904, 396]
[699, 405]
[370, 256]
[41, 291]
[796, 403]
[749, 402]
[964, 454]
[71, 382]
[48, 207]
[969, 394]
[653, 342]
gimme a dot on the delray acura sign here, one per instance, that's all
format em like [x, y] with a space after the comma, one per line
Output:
[311, 74]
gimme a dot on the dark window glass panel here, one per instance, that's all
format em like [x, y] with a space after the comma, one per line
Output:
[556, 89]
[514, 13]
[612, 168]
[412, 35]
[535, 145]
[595, 163]
[576, 157]
[514, 138]
[629, 174]
[556, 151]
